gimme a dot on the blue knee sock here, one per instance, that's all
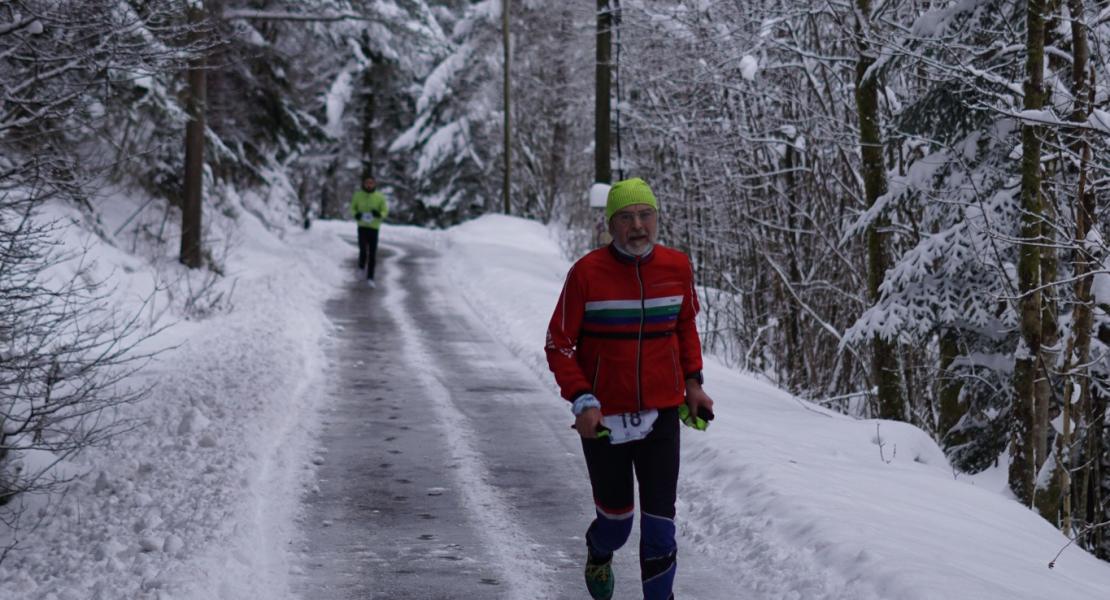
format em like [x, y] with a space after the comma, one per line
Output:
[657, 556]
[608, 533]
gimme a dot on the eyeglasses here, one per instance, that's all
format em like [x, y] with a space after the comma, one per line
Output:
[628, 217]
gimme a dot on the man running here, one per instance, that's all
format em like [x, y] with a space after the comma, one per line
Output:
[624, 348]
[369, 208]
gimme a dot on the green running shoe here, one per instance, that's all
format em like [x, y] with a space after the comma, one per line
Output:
[599, 579]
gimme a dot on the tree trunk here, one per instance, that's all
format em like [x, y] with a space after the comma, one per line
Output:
[556, 169]
[559, 136]
[369, 114]
[1096, 449]
[1051, 462]
[306, 204]
[884, 361]
[603, 171]
[508, 150]
[195, 98]
[950, 411]
[1077, 370]
[1022, 445]
[795, 375]
[330, 208]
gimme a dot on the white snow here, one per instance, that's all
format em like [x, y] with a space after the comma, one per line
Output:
[599, 194]
[1100, 288]
[767, 27]
[749, 65]
[199, 502]
[1099, 120]
[934, 22]
[441, 145]
[1040, 117]
[438, 83]
[336, 102]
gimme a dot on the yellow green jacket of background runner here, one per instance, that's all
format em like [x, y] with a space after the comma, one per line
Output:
[364, 202]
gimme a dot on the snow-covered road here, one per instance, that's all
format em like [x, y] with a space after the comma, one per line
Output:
[446, 468]
[386, 518]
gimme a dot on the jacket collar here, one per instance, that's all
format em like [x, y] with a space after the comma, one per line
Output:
[630, 259]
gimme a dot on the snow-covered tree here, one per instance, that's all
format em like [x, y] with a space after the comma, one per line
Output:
[984, 280]
[457, 123]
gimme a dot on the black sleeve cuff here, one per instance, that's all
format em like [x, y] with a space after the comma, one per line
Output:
[696, 376]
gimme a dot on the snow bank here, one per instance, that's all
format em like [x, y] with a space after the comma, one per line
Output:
[806, 503]
[194, 501]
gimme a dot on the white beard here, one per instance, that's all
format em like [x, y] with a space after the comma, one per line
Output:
[628, 252]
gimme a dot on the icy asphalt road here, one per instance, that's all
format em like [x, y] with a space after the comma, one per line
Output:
[450, 470]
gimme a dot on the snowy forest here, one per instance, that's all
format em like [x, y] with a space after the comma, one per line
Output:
[896, 209]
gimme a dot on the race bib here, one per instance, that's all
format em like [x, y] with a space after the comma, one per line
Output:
[627, 427]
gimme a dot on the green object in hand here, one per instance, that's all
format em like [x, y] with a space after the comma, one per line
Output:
[601, 431]
[699, 422]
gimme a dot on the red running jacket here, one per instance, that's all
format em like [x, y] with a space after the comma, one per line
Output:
[624, 330]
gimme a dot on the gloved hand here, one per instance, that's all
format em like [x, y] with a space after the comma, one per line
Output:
[375, 214]
[358, 216]
[584, 421]
[699, 422]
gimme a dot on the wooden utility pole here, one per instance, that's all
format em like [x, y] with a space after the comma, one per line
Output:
[508, 113]
[603, 170]
[195, 98]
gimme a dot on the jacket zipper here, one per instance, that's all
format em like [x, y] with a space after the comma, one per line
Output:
[640, 341]
[597, 372]
[674, 368]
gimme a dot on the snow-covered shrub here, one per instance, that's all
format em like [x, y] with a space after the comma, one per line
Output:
[64, 353]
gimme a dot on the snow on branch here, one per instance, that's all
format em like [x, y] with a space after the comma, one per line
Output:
[16, 25]
[1098, 122]
[1103, 17]
[269, 15]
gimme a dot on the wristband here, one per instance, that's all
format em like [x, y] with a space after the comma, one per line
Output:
[584, 402]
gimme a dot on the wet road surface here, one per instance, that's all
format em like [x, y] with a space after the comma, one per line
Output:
[448, 470]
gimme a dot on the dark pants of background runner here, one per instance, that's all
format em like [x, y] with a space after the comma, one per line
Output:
[654, 461]
[367, 249]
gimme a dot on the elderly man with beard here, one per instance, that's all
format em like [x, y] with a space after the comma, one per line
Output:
[624, 348]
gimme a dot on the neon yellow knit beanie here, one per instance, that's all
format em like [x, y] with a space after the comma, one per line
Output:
[626, 193]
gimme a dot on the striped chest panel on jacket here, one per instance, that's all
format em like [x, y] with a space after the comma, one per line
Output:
[623, 318]
[622, 312]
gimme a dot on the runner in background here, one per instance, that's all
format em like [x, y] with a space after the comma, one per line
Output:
[369, 209]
